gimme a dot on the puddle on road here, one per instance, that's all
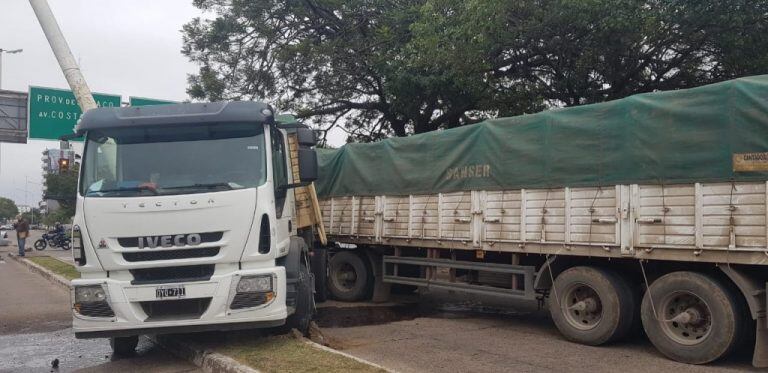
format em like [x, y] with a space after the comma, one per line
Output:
[35, 352]
[345, 317]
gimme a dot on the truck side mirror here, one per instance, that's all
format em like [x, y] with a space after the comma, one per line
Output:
[306, 137]
[307, 165]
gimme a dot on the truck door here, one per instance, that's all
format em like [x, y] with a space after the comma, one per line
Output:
[283, 199]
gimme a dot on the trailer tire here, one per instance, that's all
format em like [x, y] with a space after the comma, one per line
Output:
[124, 346]
[686, 303]
[592, 306]
[348, 277]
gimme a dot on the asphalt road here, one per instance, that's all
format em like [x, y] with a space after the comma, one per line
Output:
[442, 335]
[35, 329]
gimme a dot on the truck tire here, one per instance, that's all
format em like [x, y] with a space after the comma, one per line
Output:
[592, 305]
[305, 305]
[691, 317]
[348, 277]
[124, 346]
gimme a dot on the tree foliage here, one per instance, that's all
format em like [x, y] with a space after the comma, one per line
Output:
[33, 216]
[62, 187]
[8, 209]
[393, 67]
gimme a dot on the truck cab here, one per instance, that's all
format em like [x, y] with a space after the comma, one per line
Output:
[186, 221]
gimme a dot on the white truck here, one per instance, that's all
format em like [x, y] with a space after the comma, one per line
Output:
[188, 220]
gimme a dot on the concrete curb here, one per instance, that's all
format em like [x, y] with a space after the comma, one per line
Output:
[348, 356]
[45, 272]
[208, 361]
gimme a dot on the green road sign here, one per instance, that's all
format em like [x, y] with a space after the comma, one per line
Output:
[54, 112]
[142, 101]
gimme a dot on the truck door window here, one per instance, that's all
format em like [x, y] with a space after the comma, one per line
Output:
[279, 169]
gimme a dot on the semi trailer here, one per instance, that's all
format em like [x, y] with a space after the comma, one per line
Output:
[650, 210]
[646, 211]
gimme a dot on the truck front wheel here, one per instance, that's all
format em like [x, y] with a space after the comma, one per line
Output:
[691, 317]
[124, 346]
[592, 305]
[305, 303]
[348, 277]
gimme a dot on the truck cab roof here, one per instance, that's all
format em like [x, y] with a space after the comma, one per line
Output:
[185, 113]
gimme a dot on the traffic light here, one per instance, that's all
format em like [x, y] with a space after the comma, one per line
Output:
[63, 164]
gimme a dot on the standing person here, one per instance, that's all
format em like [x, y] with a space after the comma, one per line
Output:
[22, 232]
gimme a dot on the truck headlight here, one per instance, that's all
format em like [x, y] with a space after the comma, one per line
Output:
[91, 300]
[255, 284]
[90, 294]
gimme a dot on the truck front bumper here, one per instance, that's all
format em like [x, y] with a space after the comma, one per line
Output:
[206, 306]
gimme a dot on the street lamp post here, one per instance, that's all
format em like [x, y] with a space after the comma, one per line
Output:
[10, 51]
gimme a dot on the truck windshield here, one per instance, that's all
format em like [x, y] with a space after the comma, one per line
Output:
[198, 158]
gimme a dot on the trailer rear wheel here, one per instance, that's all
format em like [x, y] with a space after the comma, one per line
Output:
[348, 277]
[691, 317]
[124, 346]
[592, 305]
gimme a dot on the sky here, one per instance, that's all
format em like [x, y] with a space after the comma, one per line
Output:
[131, 48]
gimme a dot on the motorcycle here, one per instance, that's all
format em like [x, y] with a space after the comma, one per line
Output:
[53, 239]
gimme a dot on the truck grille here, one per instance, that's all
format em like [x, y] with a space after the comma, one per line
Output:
[146, 256]
[133, 242]
[96, 309]
[175, 309]
[245, 300]
[172, 274]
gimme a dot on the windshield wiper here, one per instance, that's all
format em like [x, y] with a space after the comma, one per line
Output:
[125, 189]
[202, 185]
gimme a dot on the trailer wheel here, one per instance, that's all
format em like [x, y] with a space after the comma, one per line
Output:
[691, 317]
[348, 277]
[124, 346]
[592, 306]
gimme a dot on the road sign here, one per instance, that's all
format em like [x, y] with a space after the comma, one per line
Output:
[13, 116]
[54, 112]
[143, 101]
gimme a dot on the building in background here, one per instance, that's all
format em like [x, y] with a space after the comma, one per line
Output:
[54, 162]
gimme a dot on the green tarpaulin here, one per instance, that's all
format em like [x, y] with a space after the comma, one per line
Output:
[671, 137]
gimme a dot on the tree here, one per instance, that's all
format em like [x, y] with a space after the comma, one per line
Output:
[62, 187]
[8, 209]
[33, 216]
[393, 67]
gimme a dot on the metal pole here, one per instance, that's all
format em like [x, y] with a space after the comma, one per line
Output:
[63, 54]
[1, 69]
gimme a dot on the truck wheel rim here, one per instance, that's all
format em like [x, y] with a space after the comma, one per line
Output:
[346, 277]
[582, 307]
[686, 318]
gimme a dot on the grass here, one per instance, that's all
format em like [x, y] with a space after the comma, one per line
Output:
[285, 353]
[58, 267]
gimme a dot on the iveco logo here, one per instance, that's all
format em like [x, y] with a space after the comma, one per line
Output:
[168, 241]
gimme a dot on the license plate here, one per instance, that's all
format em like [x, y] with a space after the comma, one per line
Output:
[176, 291]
